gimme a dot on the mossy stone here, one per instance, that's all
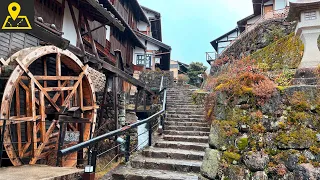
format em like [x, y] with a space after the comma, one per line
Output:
[242, 143]
[210, 165]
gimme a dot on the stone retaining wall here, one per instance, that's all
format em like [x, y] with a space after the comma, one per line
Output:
[279, 139]
[153, 79]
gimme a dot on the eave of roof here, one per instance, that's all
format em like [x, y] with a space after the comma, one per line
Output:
[151, 10]
[244, 20]
[303, 5]
[128, 28]
[144, 17]
[153, 40]
[103, 15]
[214, 42]
[184, 64]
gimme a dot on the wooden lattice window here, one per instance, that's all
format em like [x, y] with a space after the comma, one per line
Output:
[144, 60]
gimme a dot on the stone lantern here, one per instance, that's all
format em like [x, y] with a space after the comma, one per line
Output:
[307, 13]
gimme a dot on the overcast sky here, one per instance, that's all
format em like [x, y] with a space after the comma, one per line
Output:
[189, 26]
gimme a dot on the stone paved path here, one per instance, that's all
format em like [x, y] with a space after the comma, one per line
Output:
[178, 154]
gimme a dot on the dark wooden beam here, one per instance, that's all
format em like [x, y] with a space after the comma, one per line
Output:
[93, 44]
[47, 36]
[76, 27]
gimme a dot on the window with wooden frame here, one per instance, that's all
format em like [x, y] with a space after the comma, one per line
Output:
[311, 15]
[144, 60]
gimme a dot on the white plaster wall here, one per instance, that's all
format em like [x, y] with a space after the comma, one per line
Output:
[280, 4]
[223, 44]
[142, 26]
[253, 20]
[152, 47]
[269, 2]
[136, 51]
[149, 14]
[108, 32]
[68, 27]
[233, 35]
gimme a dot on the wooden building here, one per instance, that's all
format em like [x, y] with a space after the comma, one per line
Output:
[157, 54]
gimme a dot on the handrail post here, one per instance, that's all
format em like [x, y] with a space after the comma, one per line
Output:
[150, 134]
[1, 141]
[61, 139]
[94, 160]
[161, 84]
[127, 155]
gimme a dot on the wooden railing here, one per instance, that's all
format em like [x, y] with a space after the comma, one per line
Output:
[211, 56]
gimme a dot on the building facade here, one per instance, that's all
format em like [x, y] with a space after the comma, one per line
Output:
[156, 54]
[262, 10]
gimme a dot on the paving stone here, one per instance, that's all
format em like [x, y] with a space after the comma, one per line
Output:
[151, 174]
[166, 164]
[173, 153]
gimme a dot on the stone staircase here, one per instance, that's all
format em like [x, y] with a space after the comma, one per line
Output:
[178, 154]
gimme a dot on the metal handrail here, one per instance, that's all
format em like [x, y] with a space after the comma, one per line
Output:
[117, 132]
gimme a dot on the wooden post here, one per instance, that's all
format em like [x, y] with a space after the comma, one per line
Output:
[115, 106]
[144, 100]
[137, 100]
[62, 131]
[79, 37]
[80, 153]
[43, 117]
[34, 117]
[153, 63]
[18, 116]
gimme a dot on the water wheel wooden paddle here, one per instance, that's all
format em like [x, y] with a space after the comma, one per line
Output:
[36, 82]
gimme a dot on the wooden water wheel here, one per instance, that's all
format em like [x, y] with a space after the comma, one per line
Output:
[41, 81]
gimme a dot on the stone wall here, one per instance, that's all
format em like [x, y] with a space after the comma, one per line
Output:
[278, 139]
[98, 79]
[153, 79]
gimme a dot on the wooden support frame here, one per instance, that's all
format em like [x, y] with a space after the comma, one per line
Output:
[93, 44]
[38, 106]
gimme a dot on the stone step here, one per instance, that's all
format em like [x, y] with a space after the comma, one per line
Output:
[126, 173]
[182, 145]
[185, 106]
[177, 123]
[179, 104]
[185, 109]
[187, 128]
[199, 139]
[186, 112]
[175, 119]
[166, 164]
[187, 133]
[304, 81]
[185, 116]
[173, 153]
